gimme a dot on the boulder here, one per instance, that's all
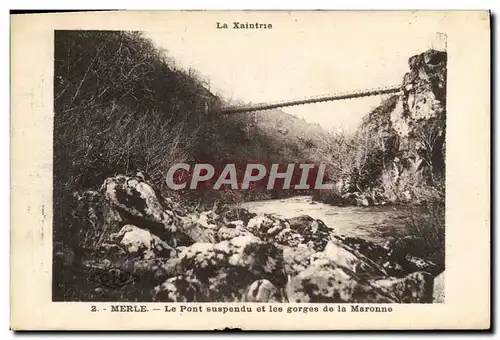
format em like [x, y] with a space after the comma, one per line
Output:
[180, 289]
[199, 228]
[137, 203]
[413, 288]
[314, 231]
[326, 282]
[417, 264]
[395, 257]
[112, 251]
[373, 251]
[227, 268]
[262, 291]
[206, 219]
[298, 222]
[296, 259]
[289, 237]
[142, 243]
[228, 233]
[237, 255]
[282, 232]
[266, 226]
[351, 259]
[239, 214]
[152, 271]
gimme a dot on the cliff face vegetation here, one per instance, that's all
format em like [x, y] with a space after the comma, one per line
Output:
[397, 155]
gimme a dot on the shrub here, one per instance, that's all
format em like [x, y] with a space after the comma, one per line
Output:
[427, 226]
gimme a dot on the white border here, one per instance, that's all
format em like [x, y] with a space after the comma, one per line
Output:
[186, 4]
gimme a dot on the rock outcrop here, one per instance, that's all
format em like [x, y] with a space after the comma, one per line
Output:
[262, 291]
[326, 281]
[413, 288]
[226, 269]
[142, 243]
[239, 256]
[135, 200]
[402, 153]
[421, 120]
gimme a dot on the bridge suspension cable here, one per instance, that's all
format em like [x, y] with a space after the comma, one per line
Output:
[310, 100]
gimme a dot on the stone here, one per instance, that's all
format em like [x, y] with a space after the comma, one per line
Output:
[351, 259]
[180, 289]
[265, 226]
[299, 221]
[291, 232]
[206, 219]
[262, 291]
[237, 256]
[296, 259]
[227, 268]
[238, 214]
[325, 282]
[288, 237]
[137, 203]
[226, 233]
[312, 230]
[199, 229]
[374, 252]
[141, 242]
[413, 288]
[112, 250]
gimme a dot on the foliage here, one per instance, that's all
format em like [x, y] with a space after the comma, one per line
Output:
[427, 228]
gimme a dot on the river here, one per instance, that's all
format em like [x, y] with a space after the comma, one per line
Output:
[377, 224]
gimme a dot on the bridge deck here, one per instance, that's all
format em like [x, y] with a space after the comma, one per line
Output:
[310, 100]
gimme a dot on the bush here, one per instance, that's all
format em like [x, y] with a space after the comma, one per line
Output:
[427, 227]
[120, 105]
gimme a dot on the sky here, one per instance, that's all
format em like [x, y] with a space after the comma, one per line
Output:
[300, 57]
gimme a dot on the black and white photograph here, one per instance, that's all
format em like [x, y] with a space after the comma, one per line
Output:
[243, 168]
[130, 109]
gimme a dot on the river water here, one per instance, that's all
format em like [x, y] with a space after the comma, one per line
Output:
[377, 224]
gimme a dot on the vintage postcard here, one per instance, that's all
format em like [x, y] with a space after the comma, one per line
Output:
[262, 170]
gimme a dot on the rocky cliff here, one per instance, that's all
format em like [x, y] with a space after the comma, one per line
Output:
[400, 155]
[420, 120]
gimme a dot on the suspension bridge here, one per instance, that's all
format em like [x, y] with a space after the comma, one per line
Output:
[310, 100]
